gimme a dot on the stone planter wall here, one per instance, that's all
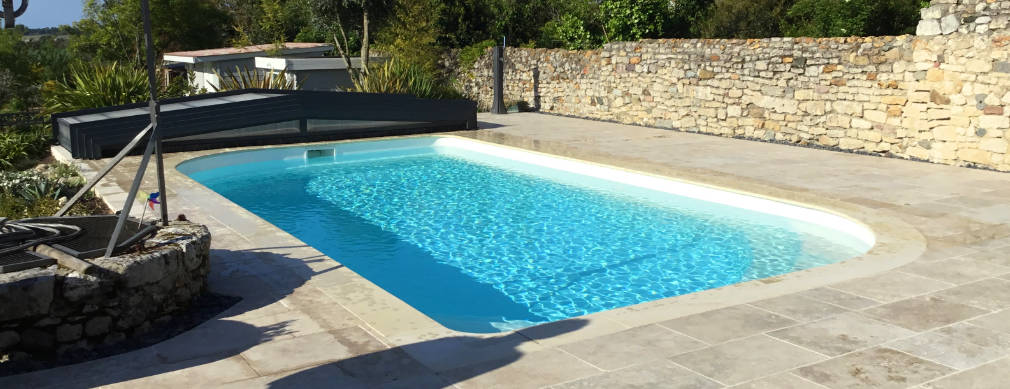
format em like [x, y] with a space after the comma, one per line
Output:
[49, 312]
[942, 98]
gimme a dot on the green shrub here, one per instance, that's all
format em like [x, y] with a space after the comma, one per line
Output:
[100, 84]
[246, 78]
[23, 147]
[395, 76]
[469, 55]
[42, 191]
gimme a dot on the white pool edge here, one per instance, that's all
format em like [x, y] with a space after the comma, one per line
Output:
[672, 186]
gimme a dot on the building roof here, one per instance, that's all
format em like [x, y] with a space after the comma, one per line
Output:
[225, 53]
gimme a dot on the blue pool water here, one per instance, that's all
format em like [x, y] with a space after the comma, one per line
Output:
[482, 244]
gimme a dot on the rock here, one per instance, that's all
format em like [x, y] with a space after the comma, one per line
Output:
[26, 293]
[37, 340]
[69, 332]
[928, 27]
[994, 122]
[934, 12]
[77, 286]
[97, 325]
[995, 145]
[8, 339]
[950, 23]
[1002, 67]
[894, 100]
[114, 338]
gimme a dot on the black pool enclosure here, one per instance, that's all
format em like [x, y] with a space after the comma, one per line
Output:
[260, 116]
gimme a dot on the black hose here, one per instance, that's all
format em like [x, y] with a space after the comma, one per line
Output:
[17, 236]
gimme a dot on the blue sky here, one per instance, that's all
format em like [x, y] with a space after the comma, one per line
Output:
[50, 13]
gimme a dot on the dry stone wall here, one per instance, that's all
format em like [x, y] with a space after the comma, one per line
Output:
[937, 98]
[46, 313]
[964, 16]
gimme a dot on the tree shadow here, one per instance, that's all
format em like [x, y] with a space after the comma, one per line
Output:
[434, 363]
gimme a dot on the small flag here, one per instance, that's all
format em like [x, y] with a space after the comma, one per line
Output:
[153, 199]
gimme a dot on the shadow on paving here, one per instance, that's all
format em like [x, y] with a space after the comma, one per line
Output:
[204, 342]
[397, 367]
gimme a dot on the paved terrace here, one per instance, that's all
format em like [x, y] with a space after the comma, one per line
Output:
[927, 308]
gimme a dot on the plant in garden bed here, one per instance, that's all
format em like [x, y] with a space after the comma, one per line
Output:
[22, 147]
[41, 192]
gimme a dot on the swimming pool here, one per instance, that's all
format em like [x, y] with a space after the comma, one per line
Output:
[486, 238]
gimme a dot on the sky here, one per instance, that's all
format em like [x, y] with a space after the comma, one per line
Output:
[50, 13]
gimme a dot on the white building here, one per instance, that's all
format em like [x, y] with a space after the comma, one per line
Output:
[202, 64]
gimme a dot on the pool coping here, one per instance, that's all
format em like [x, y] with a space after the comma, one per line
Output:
[399, 324]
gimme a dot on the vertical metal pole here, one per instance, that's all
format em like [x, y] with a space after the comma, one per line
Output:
[132, 195]
[155, 109]
[153, 142]
[498, 57]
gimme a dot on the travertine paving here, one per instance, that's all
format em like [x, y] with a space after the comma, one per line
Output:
[933, 313]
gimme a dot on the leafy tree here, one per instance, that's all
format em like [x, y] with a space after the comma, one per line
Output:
[630, 20]
[823, 18]
[569, 32]
[686, 18]
[411, 35]
[338, 18]
[113, 30]
[465, 22]
[19, 75]
[745, 19]
[265, 21]
[272, 24]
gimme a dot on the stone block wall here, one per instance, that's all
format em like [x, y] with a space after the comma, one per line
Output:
[944, 98]
[964, 16]
[45, 313]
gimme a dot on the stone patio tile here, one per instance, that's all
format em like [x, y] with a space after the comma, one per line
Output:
[323, 376]
[924, 313]
[631, 347]
[728, 323]
[572, 330]
[742, 360]
[841, 334]
[970, 333]
[779, 381]
[839, 298]
[937, 347]
[220, 337]
[992, 294]
[991, 375]
[891, 286]
[185, 375]
[548, 367]
[956, 270]
[453, 352]
[879, 368]
[999, 321]
[996, 256]
[314, 349]
[937, 250]
[655, 374]
[799, 308]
